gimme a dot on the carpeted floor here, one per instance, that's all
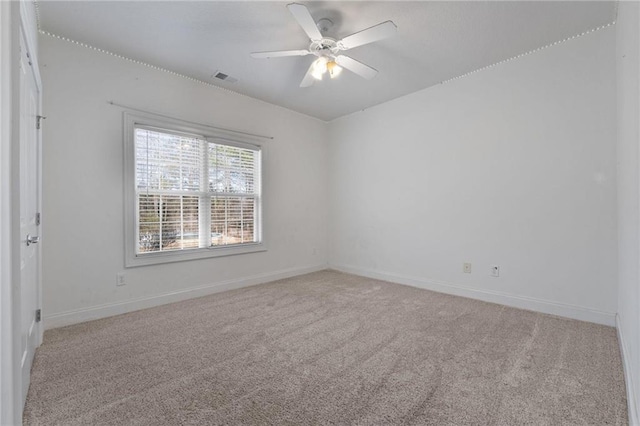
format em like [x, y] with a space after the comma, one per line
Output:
[328, 348]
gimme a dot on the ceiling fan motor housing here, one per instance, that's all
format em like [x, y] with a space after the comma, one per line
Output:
[324, 25]
[326, 47]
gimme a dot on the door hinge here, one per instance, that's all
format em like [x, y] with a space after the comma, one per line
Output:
[37, 219]
[39, 118]
[38, 315]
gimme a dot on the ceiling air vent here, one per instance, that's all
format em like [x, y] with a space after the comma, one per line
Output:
[226, 77]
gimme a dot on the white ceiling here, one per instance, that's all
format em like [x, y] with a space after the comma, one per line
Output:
[435, 42]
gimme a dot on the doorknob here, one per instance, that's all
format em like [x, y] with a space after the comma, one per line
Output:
[32, 240]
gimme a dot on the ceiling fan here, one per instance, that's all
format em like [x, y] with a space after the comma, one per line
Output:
[328, 50]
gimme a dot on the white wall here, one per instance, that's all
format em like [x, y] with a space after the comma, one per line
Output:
[628, 108]
[83, 185]
[514, 166]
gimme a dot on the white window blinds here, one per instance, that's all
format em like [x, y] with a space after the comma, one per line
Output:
[192, 193]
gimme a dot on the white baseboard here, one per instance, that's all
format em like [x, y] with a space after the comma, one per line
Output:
[110, 309]
[632, 402]
[522, 302]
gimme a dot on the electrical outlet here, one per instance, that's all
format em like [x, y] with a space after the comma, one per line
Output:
[495, 271]
[466, 268]
[120, 279]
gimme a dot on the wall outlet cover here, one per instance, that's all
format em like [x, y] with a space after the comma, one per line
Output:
[495, 270]
[120, 279]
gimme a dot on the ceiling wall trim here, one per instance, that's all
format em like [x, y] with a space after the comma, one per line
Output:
[36, 6]
[555, 43]
[174, 73]
[207, 83]
[135, 61]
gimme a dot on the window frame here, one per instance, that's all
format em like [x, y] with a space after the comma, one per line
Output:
[176, 126]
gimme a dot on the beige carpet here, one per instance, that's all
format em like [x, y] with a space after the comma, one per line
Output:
[328, 348]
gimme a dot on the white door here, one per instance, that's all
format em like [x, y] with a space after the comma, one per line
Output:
[29, 217]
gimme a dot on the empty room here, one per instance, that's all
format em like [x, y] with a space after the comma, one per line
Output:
[319, 212]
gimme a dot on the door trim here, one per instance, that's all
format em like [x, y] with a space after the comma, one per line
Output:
[17, 20]
[7, 372]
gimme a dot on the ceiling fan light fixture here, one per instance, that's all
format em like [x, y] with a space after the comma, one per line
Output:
[319, 68]
[334, 69]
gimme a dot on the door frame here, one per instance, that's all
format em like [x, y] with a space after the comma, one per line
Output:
[7, 376]
[17, 19]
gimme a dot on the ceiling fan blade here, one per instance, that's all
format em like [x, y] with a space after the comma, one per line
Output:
[308, 77]
[356, 67]
[304, 18]
[375, 33]
[280, 53]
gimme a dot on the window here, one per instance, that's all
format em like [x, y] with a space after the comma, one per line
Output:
[191, 193]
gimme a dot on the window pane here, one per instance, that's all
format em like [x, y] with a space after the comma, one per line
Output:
[167, 161]
[248, 217]
[170, 222]
[232, 220]
[167, 222]
[190, 227]
[179, 176]
[232, 169]
[149, 224]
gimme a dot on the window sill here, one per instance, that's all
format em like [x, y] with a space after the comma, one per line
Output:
[195, 254]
